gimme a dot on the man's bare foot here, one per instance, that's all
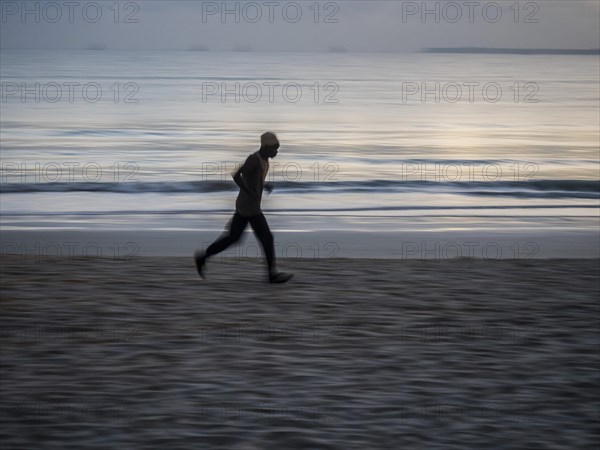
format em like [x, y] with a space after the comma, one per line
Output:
[200, 259]
[280, 277]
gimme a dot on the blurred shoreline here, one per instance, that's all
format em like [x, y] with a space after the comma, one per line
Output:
[420, 241]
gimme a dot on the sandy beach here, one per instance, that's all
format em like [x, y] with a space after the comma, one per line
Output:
[352, 354]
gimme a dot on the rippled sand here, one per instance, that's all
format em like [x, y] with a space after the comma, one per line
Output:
[352, 354]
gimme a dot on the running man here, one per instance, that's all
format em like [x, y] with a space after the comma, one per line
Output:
[251, 180]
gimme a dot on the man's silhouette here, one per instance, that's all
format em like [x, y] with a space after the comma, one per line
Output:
[251, 179]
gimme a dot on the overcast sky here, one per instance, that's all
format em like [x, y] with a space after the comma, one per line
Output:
[372, 26]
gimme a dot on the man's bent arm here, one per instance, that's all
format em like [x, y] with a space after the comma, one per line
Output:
[240, 179]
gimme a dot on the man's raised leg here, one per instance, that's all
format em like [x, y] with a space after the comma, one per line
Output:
[235, 228]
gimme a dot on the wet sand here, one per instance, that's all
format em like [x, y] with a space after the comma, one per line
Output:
[351, 354]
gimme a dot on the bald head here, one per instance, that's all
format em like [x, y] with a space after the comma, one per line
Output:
[269, 145]
[268, 139]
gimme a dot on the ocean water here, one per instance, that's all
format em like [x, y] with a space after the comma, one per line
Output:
[146, 140]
